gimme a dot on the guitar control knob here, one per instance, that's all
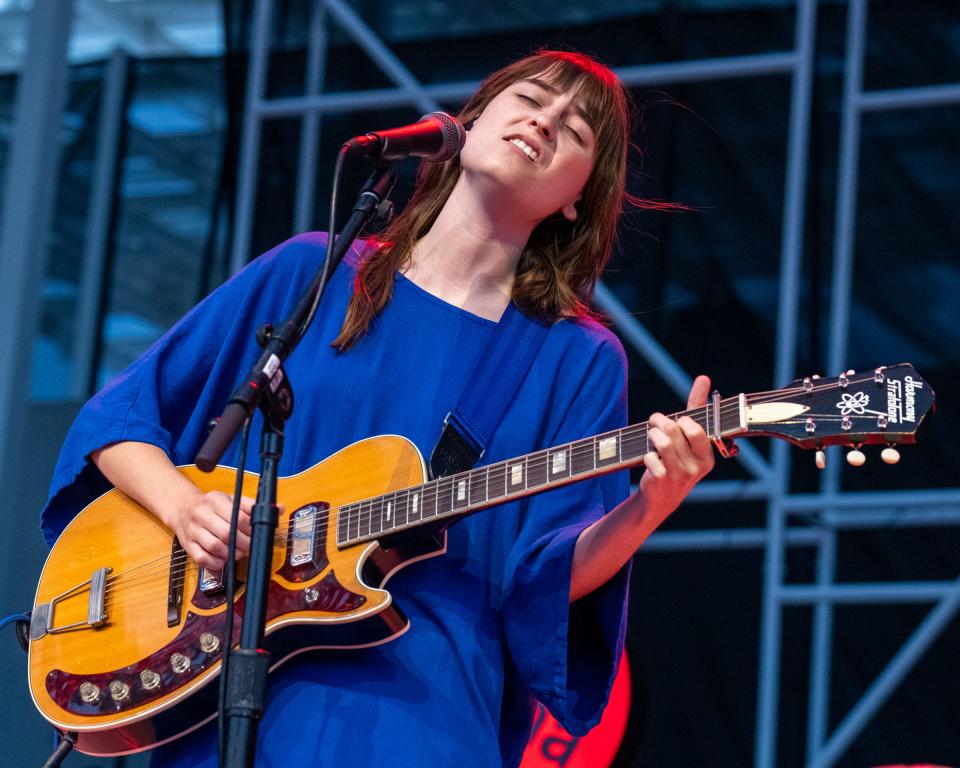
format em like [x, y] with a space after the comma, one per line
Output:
[89, 693]
[119, 690]
[890, 455]
[820, 459]
[149, 679]
[856, 458]
[209, 643]
[179, 663]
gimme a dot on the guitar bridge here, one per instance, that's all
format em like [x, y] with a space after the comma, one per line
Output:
[42, 618]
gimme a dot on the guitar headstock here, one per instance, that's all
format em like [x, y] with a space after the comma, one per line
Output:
[883, 406]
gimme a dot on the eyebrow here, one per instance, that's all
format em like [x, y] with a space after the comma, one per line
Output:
[550, 88]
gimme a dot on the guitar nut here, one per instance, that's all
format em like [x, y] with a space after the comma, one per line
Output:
[119, 690]
[179, 663]
[89, 693]
[209, 643]
[149, 679]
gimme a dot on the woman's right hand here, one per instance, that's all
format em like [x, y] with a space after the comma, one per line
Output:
[202, 525]
[201, 521]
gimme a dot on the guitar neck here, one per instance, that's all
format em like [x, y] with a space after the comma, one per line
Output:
[473, 490]
[883, 406]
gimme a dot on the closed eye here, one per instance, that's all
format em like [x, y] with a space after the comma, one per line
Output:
[529, 99]
[576, 136]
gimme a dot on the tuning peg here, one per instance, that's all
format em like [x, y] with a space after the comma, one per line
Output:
[890, 455]
[815, 376]
[820, 459]
[855, 457]
[851, 372]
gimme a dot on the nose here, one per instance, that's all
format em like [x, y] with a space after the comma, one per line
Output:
[543, 126]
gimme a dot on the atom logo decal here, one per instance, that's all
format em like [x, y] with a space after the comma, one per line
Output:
[856, 404]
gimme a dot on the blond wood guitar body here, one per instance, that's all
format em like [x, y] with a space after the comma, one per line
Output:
[120, 682]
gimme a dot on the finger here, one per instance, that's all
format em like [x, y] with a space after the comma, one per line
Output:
[696, 438]
[207, 551]
[213, 544]
[243, 543]
[654, 465]
[699, 392]
[243, 523]
[664, 446]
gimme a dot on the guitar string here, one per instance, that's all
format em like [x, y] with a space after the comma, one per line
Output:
[280, 542]
[629, 433]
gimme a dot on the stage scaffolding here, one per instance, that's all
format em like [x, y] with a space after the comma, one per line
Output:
[832, 509]
[810, 520]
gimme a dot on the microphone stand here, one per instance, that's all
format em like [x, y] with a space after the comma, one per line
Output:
[268, 388]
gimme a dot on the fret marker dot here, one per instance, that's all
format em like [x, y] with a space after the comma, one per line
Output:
[559, 462]
[607, 448]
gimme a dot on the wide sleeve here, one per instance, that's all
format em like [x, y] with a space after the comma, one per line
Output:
[566, 654]
[168, 395]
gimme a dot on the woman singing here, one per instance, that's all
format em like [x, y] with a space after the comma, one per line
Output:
[528, 602]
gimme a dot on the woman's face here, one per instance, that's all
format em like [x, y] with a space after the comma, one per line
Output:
[535, 144]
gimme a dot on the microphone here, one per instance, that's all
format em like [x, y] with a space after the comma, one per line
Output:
[435, 137]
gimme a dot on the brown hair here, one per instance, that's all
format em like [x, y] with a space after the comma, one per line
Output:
[562, 260]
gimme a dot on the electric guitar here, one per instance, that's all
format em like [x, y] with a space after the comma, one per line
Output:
[126, 629]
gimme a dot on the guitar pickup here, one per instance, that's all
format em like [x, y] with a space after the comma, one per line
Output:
[302, 535]
[211, 582]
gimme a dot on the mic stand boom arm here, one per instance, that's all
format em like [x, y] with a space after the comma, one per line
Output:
[268, 388]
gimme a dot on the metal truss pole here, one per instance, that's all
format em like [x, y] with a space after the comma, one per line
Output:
[765, 745]
[312, 121]
[27, 205]
[821, 751]
[96, 241]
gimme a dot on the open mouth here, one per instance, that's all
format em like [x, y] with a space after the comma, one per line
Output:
[529, 151]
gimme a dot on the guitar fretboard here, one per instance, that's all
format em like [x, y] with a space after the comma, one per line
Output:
[476, 489]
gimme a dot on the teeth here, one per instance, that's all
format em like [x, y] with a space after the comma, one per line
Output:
[527, 149]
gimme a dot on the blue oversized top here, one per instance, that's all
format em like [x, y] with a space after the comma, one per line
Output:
[491, 624]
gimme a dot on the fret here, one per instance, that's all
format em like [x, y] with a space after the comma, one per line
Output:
[517, 472]
[607, 450]
[537, 469]
[380, 513]
[558, 463]
[496, 480]
[730, 415]
[343, 524]
[354, 528]
[477, 482]
[444, 496]
[633, 442]
[429, 501]
[364, 524]
[402, 509]
[581, 456]
[415, 507]
[381, 509]
[461, 491]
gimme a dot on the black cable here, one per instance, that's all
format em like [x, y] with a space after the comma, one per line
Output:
[229, 577]
[67, 742]
[331, 232]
